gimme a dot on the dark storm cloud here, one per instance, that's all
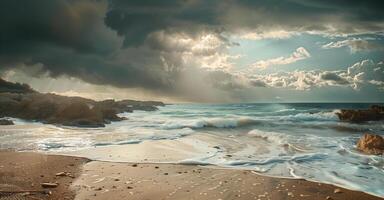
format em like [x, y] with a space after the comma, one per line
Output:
[74, 24]
[117, 42]
[337, 17]
[136, 19]
[70, 37]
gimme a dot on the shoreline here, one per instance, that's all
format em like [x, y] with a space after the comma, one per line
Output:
[116, 180]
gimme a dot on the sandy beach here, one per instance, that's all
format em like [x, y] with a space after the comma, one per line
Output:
[27, 171]
[84, 179]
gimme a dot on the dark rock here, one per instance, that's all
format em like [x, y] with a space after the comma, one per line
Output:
[69, 111]
[49, 185]
[374, 113]
[371, 144]
[6, 86]
[6, 122]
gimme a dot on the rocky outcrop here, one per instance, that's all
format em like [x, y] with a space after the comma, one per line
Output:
[371, 144]
[6, 122]
[70, 111]
[6, 86]
[374, 113]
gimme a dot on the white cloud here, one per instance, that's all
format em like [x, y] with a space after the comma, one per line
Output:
[364, 73]
[299, 54]
[275, 34]
[379, 84]
[206, 50]
[355, 45]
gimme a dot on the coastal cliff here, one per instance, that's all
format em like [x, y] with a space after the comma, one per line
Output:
[21, 101]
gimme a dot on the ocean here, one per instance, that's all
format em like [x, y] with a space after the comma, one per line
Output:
[291, 140]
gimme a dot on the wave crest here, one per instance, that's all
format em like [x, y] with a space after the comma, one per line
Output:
[212, 122]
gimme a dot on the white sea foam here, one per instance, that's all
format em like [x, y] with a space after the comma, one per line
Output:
[209, 122]
[286, 110]
[307, 116]
[284, 141]
[278, 138]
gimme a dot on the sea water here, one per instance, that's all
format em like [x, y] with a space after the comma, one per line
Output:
[298, 140]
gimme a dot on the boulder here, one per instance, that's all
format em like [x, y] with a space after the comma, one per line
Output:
[371, 144]
[374, 113]
[6, 122]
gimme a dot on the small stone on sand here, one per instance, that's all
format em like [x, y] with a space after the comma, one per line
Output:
[49, 185]
[337, 190]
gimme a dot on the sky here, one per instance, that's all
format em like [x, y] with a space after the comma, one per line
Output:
[209, 51]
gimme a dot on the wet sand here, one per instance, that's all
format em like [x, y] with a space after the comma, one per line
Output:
[110, 180]
[26, 171]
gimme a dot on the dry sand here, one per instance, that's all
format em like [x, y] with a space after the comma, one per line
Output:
[109, 180]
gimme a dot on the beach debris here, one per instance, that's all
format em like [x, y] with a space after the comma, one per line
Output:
[49, 185]
[98, 189]
[116, 179]
[61, 174]
[65, 174]
[134, 165]
[371, 144]
[328, 198]
[165, 173]
[337, 190]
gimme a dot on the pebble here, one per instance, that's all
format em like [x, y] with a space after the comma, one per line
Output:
[337, 190]
[49, 185]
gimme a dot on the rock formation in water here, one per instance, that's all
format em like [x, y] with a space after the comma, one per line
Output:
[20, 101]
[371, 144]
[6, 122]
[374, 113]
